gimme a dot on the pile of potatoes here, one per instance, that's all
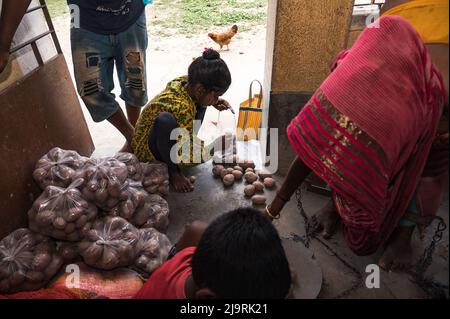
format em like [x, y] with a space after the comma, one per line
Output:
[62, 213]
[102, 181]
[141, 208]
[57, 168]
[111, 243]
[155, 178]
[153, 249]
[27, 261]
[133, 165]
[256, 181]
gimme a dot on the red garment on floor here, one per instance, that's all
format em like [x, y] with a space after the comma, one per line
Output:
[168, 281]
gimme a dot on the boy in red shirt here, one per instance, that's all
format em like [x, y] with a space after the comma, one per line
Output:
[239, 256]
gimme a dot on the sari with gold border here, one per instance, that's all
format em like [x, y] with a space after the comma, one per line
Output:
[369, 128]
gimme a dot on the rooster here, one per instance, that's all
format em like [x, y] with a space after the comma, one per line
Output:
[224, 38]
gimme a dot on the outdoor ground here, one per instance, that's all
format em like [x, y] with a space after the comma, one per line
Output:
[177, 33]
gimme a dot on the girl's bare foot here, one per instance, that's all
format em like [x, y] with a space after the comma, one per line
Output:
[398, 252]
[180, 183]
[328, 220]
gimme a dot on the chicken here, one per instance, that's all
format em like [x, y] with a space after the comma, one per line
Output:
[224, 38]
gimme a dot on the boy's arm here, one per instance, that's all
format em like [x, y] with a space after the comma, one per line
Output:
[192, 235]
[11, 16]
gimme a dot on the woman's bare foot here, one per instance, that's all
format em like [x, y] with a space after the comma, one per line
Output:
[328, 220]
[398, 252]
[181, 183]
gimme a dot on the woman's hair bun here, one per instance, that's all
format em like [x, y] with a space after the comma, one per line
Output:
[211, 54]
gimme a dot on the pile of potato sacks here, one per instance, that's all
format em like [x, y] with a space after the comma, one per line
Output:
[256, 181]
[108, 213]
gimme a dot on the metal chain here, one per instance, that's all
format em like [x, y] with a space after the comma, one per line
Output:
[429, 285]
[311, 225]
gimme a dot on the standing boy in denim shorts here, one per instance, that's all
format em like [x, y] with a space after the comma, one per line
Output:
[105, 33]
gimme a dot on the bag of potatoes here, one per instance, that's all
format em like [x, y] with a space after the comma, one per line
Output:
[155, 178]
[141, 208]
[152, 251]
[62, 213]
[27, 261]
[103, 180]
[133, 165]
[111, 243]
[57, 168]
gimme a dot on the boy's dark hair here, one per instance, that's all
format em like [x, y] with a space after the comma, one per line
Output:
[210, 71]
[240, 256]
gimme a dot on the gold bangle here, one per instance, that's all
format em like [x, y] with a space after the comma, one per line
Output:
[278, 216]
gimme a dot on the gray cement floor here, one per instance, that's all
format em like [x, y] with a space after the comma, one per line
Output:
[343, 272]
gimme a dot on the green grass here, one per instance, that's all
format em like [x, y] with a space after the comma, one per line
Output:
[197, 16]
[57, 7]
[190, 17]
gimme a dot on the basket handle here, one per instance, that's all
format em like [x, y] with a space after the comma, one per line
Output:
[250, 97]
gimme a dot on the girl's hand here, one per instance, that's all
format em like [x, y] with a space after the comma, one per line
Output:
[223, 105]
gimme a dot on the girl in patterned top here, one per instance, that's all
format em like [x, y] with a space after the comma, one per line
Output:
[174, 112]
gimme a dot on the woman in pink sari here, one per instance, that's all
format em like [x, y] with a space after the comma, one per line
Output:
[368, 132]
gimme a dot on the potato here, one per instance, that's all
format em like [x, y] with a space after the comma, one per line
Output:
[250, 177]
[217, 169]
[35, 276]
[259, 200]
[249, 190]
[238, 168]
[72, 214]
[59, 223]
[228, 180]
[17, 278]
[70, 228]
[101, 196]
[269, 182]
[263, 174]
[259, 187]
[237, 175]
[54, 266]
[45, 218]
[226, 171]
[247, 164]
[41, 261]
[249, 170]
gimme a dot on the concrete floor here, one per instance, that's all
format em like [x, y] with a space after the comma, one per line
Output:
[343, 272]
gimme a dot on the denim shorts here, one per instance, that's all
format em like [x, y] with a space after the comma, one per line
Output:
[94, 56]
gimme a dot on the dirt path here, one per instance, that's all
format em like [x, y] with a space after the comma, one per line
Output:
[170, 57]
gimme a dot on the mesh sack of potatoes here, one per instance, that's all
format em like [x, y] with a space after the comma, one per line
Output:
[68, 251]
[27, 261]
[155, 178]
[133, 165]
[57, 168]
[152, 251]
[141, 208]
[103, 180]
[62, 213]
[111, 243]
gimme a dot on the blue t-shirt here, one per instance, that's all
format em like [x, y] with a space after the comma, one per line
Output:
[108, 16]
